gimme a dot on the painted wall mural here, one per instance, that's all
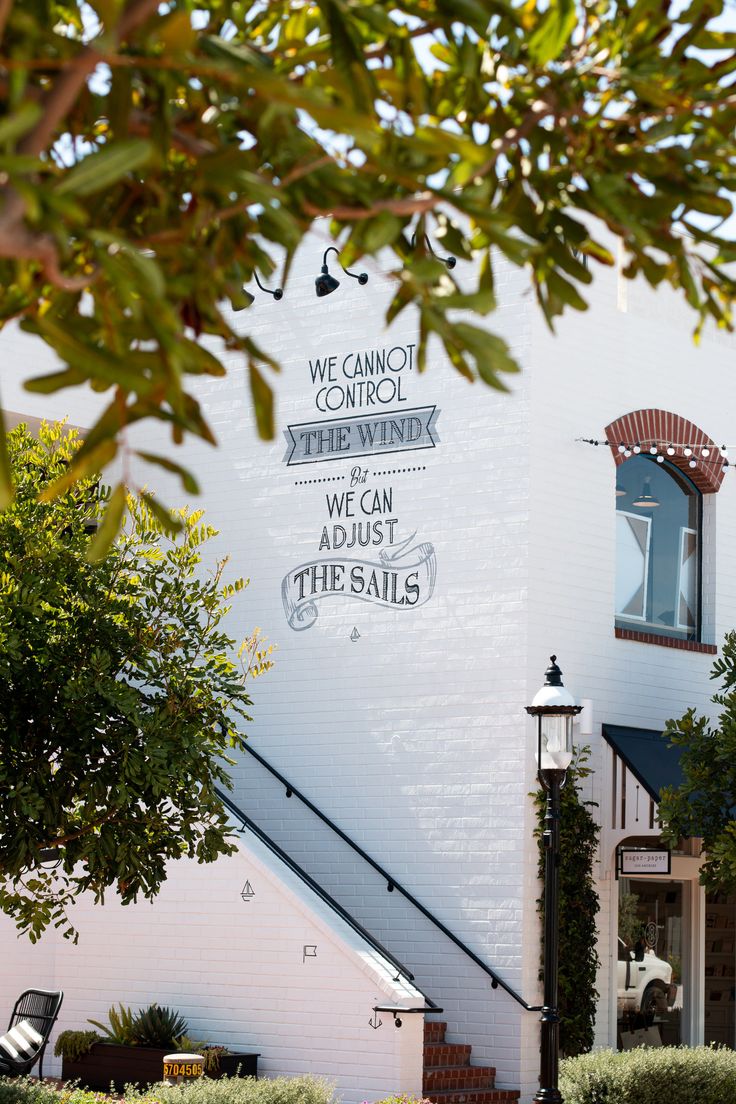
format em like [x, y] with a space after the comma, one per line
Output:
[402, 575]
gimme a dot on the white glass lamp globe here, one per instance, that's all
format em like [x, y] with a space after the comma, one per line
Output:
[554, 750]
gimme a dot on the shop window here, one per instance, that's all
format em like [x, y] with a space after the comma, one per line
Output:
[720, 970]
[652, 990]
[658, 549]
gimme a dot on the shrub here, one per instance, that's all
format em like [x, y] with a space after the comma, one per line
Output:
[679, 1075]
[21, 1090]
[234, 1090]
[75, 1044]
[403, 1098]
[151, 1027]
[237, 1090]
[158, 1027]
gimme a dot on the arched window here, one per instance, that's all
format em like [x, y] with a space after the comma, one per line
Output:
[658, 542]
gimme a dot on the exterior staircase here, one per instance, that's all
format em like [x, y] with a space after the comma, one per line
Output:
[449, 1077]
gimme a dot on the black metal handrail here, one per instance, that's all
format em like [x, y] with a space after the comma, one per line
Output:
[248, 824]
[392, 884]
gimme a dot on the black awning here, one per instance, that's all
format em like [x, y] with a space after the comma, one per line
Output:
[648, 756]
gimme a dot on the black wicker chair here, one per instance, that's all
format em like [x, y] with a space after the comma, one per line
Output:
[31, 1021]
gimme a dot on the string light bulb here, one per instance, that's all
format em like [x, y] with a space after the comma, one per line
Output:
[692, 453]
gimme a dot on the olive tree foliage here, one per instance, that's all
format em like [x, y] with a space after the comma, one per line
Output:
[155, 154]
[120, 694]
[705, 803]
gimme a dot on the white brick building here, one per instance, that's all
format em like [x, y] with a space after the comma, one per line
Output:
[481, 536]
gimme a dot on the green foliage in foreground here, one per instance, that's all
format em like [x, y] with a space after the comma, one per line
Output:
[120, 694]
[236, 1090]
[239, 1090]
[136, 206]
[705, 803]
[679, 1075]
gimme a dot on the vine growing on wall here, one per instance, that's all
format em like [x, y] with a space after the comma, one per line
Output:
[578, 907]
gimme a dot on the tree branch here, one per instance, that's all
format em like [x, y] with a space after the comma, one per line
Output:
[5, 6]
[60, 841]
[411, 205]
[64, 93]
[16, 240]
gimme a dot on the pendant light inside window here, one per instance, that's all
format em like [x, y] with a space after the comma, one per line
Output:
[646, 499]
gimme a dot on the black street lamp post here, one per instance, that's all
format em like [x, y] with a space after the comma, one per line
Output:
[554, 709]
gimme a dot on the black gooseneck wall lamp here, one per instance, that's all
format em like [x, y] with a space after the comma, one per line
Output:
[554, 709]
[450, 261]
[277, 294]
[326, 284]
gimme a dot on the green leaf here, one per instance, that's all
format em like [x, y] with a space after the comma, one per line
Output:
[100, 170]
[552, 34]
[565, 291]
[108, 529]
[382, 230]
[262, 396]
[81, 467]
[21, 121]
[169, 522]
[7, 490]
[188, 481]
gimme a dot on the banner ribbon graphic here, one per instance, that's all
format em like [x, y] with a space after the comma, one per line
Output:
[403, 579]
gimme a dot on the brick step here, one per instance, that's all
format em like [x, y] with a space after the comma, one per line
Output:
[434, 1031]
[455, 1078]
[479, 1096]
[446, 1054]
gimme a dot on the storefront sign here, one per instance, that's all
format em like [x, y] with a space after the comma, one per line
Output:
[644, 860]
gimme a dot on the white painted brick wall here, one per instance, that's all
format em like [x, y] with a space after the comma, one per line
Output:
[414, 737]
[237, 972]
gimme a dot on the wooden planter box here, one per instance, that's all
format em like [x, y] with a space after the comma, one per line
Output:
[108, 1064]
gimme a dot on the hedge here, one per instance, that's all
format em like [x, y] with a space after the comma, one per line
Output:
[234, 1090]
[677, 1075]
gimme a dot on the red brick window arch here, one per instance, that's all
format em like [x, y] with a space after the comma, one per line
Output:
[665, 464]
[646, 429]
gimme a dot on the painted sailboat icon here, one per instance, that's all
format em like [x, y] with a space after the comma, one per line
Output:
[355, 635]
[247, 892]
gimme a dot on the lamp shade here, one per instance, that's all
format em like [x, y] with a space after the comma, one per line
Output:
[325, 284]
[646, 499]
[555, 708]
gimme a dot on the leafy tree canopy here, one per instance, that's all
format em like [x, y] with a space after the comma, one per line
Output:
[155, 155]
[705, 803]
[119, 694]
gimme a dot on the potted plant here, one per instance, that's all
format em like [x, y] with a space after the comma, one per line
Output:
[131, 1049]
